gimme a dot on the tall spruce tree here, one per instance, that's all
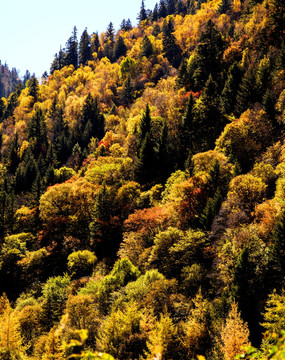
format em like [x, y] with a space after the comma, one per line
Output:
[229, 93]
[85, 48]
[171, 49]
[72, 50]
[142, 14]
[120, 48]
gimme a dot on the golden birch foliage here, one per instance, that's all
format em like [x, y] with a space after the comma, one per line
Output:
[234, 334]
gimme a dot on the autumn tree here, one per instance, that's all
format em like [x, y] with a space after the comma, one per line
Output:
[234, 334]
[11, 341]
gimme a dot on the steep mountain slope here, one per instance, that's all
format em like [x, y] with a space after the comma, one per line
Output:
[142, 189]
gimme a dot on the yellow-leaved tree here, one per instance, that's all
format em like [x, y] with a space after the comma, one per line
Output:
[11, 342]
[234, 334]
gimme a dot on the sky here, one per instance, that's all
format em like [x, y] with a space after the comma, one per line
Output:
[31, 31]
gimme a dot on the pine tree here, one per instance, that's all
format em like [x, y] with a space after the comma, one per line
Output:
[85, 48]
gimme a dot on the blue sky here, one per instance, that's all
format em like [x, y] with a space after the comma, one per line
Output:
[31, 31]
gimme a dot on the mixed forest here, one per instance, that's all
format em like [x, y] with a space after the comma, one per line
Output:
[142, 190]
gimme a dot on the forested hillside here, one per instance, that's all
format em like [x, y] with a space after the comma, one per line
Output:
[8, 80]
[142, 190]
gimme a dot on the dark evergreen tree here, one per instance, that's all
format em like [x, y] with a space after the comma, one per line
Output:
[147, 48]
[120, 48]
[95, 43]
[109, 42]
[171, 7]
[85, 48]
[72, 50]
[26, 172]
[12, 104]
[26, 77]
[208, 57]
[208, 119]
[164, 168]
[91, 113]
[187, 132]
[183, 76]
[180, 8]
[146, 168]
[229, 93]
[145, 126]
[247, 92]
[154, 14]
[156, 30]
[142, 14]
[127, 92]
[13, 158]
[224, 6]
[147, 156]
[211, 210]
[126, 25]
[33, 86]
[2, 109]
[37, 133]
[277, 254]
[129, 25]
[171, 49]
[162, 10]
